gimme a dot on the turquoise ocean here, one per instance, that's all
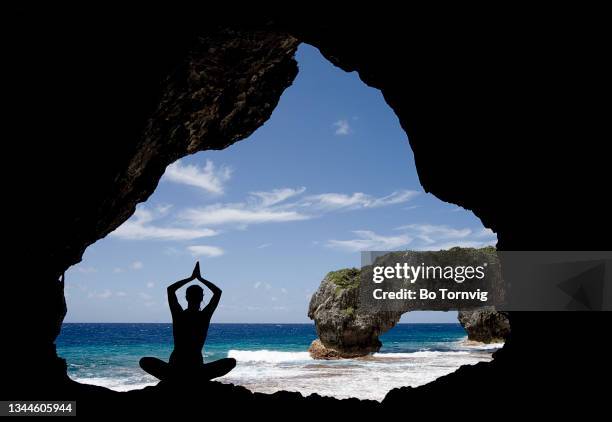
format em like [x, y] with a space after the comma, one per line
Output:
[272, 357]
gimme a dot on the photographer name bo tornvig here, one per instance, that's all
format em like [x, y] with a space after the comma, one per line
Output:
[413, 273]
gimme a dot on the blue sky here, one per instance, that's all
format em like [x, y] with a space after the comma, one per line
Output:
[330, 174]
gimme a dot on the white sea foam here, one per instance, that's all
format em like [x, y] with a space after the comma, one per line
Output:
[118, 384]
[476, 345]
[482, 346]
[419, 354]
[268, 371]
[270, 356]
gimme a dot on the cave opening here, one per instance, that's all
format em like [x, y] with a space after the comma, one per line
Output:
[327, 176]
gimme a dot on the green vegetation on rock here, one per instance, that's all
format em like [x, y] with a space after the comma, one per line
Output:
[347, 278]
[349, 312]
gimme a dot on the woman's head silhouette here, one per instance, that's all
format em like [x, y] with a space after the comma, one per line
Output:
[194, 295]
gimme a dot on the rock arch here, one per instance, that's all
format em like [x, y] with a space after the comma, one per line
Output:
[346, 329]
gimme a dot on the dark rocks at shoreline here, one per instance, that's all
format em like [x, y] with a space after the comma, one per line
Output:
[345, 331]
[485, 325]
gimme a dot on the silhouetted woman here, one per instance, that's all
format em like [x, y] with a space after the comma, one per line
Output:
[190, 327]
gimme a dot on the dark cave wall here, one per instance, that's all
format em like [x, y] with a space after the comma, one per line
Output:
[498, 116]
[502, 122]
[226, 86]
[135, 105]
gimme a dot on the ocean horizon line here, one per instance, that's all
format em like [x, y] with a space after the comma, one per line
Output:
[247, 323]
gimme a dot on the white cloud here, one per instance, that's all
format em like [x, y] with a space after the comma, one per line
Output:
[139, 227]
[264, 245]
[397, 197]
[205, 250]
[276, 195]
[208, 178]
[121, 294]
[369, 241]
[453, 244]
[220, 214]
[430, 233]
[419, 237]
[336, 201]
[437, 237]
[163, 209]
[257, 285]
[486, 233]
[136, 265]
[150, 285]
[273, 207]
[86, 270]
[342, 127]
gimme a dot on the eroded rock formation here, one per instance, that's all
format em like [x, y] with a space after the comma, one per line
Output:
[344, 330]
[485, 325]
